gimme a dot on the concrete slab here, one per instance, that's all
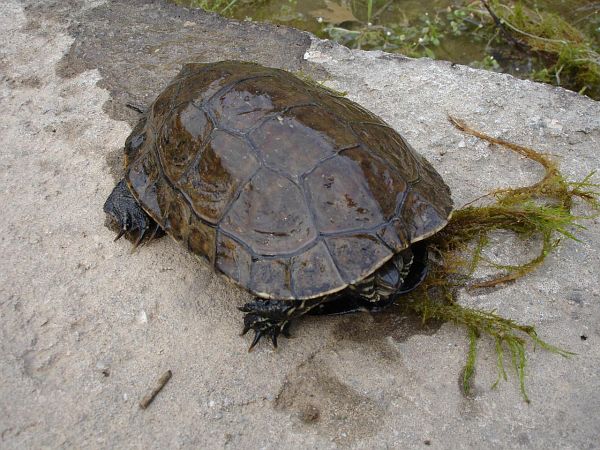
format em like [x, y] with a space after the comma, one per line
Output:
[86, 327]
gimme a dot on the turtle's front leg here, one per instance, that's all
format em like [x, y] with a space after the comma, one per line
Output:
[129, 216]
[272, 317]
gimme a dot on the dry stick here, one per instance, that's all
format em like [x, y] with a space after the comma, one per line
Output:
[149, 397]
[136, 108]
[501, 26]
[381, 10]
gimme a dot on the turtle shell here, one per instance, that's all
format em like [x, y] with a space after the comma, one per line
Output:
[286, 188]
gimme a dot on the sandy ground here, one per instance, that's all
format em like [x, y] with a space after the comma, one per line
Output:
[87, 326]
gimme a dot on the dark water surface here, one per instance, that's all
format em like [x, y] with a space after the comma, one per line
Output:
[412, 27]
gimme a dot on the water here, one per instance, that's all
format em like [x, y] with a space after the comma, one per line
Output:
[441, 29]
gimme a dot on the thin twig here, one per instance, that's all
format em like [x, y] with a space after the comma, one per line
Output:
[500, 24]
[381, 10]
[136, 108]
[149, 397]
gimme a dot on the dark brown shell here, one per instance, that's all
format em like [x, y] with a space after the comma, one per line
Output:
[286, 188]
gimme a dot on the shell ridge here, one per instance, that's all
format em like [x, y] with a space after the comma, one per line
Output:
[304, 174]
[195, 160]
[172, 107]
[147, 148]
[290, 262]
[412, 154]
[205, 67]
[176, 189]
[335, 263]
[259, 123]
[400, 203]
[231, 84]
[303, 247]
[233, 237]
[237, 194]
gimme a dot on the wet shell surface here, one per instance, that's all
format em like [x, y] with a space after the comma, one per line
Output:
[290, 190]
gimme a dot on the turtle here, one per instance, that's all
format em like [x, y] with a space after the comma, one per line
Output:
[297, 194]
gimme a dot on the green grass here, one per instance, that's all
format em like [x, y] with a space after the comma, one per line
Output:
[224, 7]
[571, 57]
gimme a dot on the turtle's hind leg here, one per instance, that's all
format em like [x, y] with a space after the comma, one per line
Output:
[271, 318]
[129, 216]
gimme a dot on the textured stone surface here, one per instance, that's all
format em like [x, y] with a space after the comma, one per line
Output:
[86, 327]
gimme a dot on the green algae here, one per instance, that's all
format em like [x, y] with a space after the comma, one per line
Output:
[542, 212]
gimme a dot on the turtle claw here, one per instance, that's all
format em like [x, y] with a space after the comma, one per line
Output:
[263, 327]
[245, 330]
[270, 318]
[285, 330]
[257, 337]
[153, 235]
[121, 234]
[139, 240]
[260, 333]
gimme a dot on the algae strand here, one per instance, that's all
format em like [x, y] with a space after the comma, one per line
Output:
[541, 211]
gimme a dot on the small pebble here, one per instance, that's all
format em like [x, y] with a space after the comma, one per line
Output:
[104, 367]
[142, 317]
